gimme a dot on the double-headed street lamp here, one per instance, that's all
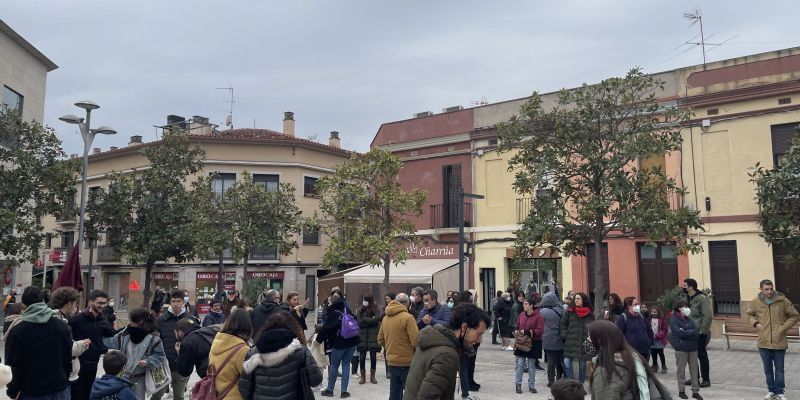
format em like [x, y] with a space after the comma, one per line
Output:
[88, 135]
[461, 242]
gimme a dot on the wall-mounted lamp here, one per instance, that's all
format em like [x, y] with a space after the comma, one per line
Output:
[708, 204]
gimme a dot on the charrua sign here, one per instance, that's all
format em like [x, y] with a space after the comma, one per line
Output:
[432, 250]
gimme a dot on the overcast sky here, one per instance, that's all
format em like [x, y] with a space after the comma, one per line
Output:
[351, 65]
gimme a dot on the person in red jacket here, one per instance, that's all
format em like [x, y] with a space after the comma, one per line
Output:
[529, 323]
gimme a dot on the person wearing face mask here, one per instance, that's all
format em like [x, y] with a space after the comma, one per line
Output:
[90, 324]
[432, 313]
[417, 304]
[109, 312]
[502, 311]
[635, 328]
[432, 374]
[702, 313]
[369, 324]
[192, 310]
[683, 336]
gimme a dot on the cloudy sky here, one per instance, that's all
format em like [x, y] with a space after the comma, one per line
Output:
[350, 65]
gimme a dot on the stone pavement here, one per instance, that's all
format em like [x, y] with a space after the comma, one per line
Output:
[735, 374]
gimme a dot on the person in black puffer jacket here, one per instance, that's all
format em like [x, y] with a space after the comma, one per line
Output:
[369, 324]
[341, 349]
[271, 303]
[271, 368]
[195, 345]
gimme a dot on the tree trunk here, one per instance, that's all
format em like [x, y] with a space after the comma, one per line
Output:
[220, 278]
[244, 277]
[599, 277]
[387, 263]
[148, 271]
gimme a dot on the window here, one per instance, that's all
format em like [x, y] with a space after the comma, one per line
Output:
[782, 136]
[67, 240]
[222, 182]
[269, 182]
[311, 236]
[94, 195]
[310, 186]
[724, 268]
[48, 241]
[12, 99]
[451, 180]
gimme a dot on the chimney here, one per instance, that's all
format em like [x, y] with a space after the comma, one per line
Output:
[96, 150]
[112, 148]
[199, 126]
[176, 121]
[135, 140]
[288, 123]
[334, 140]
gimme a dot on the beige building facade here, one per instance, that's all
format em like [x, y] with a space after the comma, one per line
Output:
[270, 157]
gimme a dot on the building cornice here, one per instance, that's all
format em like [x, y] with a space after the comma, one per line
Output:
[226, 162]
[430, 142]
[18, 39]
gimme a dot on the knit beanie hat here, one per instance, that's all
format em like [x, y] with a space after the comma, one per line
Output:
[274, 340]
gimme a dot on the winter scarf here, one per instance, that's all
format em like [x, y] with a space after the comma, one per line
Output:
[273, 340]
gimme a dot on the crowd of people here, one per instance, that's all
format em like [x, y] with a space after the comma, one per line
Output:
[429, 345]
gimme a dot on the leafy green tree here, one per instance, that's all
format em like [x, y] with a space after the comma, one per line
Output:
[365, 211]
[246, 217]
[146, 213]
[578, 162]
[35, 181]
[778, 197]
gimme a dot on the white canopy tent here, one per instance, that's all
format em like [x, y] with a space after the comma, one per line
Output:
[439, 274]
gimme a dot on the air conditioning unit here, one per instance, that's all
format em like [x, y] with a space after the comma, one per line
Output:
[423, 114]
[452, 109]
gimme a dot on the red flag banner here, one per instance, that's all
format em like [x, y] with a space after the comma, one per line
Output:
[71, 273]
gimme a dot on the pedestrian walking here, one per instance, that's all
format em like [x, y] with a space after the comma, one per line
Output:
[230, 343]
[166, 329]
[193, 346]
[342, 348]
[773, 315]
[635, 328]
[620, 372]
[683, 334]
[215, 315]
[530, 325]
[502, 311]
[270, 303]
[495, 328]
[432, 374]
[615, 307]
[64, 303]
[573, 332]
[111, 385]
[398, 335]
[659, 326]
[551, 312]
[272, 367]
[369, 325]
[701, 315]
[92, 324]
[143, 347]
[39, 351]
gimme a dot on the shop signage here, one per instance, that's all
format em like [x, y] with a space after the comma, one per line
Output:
[212, 276]
[432, 250]
[165, 276]
[265, 275]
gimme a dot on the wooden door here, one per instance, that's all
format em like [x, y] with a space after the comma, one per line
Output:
[658, 271]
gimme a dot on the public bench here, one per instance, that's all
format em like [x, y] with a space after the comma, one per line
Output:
[739, 328]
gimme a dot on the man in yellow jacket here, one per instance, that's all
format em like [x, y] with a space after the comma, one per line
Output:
[773, 315]
[398, 335]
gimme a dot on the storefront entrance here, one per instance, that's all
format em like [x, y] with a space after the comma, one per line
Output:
[533, 275]
[206, 288]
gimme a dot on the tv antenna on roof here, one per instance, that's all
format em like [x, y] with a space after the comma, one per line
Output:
[481, 102]
[229, 119]
[696, 17]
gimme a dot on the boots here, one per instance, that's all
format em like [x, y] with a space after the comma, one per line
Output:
[363, 377]
[372, 376]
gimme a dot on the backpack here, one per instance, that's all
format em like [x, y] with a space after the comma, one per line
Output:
[350, 327]
[205, 390]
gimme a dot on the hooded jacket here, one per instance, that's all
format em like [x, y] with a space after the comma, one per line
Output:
[274, 375]
[331, 326]
[701, 312]
[551, 312]
[776, 318]
[86, 325]
[213, 318]
[109, 386]
[398, 334]
[39, 352]
[195, 347]
[223, 345]
[433, 371]
[262, 311]
[165, 324]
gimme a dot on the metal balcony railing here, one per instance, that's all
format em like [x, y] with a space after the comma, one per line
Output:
[524, 207]
[264, 254]
[446, 215]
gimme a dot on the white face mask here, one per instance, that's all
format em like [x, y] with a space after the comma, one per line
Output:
[686, 311]
[637, 308]
[111, 303]
[413, 299]
[365, 303]
[186, 299]
[565, 306]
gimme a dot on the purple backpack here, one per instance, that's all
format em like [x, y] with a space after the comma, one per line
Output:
[349, 325]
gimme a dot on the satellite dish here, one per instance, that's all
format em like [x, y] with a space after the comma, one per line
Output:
[229, 120]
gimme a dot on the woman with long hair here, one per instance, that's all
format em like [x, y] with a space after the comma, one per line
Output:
[573, 333]
[620, 372]
[530, 324]
[615, 307]
[272, 367]
[141, 343]
[369, 324]
[231, 341]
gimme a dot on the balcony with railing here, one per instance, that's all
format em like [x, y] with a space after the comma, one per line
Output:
[524, 207]
[108, 253]
[270, 253]
[446, 215]
[63, 253]
[67, 216]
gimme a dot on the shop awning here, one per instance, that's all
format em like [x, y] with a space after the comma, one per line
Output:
[411, 271]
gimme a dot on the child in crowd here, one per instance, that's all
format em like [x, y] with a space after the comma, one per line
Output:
[567, 389]
[659, 325]
[112, 385]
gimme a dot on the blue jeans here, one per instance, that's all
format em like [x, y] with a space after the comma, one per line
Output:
[521, 368]
[397, 382]
[340, 356]
[581, 369]
[769, 357]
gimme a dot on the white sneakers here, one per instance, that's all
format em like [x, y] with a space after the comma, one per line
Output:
[773, 396]
[509, 348]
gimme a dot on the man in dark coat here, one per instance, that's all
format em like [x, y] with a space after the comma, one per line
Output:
[417, 304]
[39, 352]
[91, 323]
[271, 303]
[215, 315]
[165, 324]
[194, 345]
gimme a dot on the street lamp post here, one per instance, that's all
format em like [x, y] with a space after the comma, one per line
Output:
[461, 196]
[88, 135]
